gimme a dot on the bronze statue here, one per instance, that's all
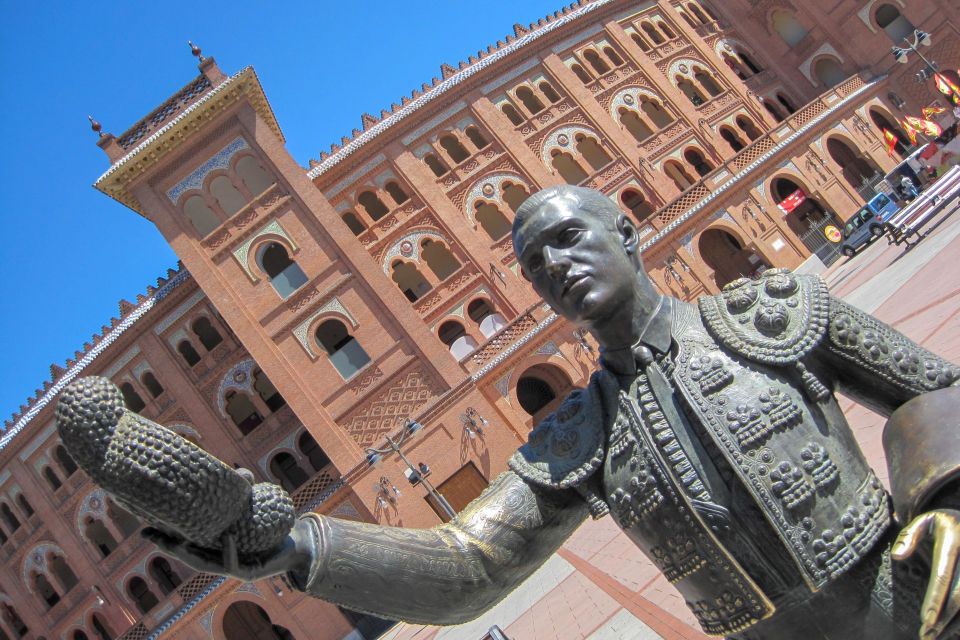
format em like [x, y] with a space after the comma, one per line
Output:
[712, 437]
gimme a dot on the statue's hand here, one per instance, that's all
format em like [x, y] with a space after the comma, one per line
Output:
[942, 600]
[294, 553]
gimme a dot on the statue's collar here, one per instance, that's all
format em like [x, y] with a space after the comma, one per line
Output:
[656, 336]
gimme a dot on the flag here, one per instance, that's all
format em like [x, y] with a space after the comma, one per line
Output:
[792, 201]
[891, 141]
[929, 112]
[908, 127]
[926, 127]
[946, 86]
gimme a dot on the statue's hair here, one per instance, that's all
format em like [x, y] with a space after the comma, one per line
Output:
[587, 200]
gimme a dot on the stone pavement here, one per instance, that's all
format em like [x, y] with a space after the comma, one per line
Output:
[600, 587]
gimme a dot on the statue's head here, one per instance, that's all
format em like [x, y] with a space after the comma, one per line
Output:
[581, 253]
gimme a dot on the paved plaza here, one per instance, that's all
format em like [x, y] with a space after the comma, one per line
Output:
[600, 587]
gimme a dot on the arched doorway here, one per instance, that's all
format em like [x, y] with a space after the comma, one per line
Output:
[807, 218]
[860, 172]
[541, 389]
[727, 257]
[248, 621]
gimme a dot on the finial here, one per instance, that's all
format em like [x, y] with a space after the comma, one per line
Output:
[96, 126]
[195, 50]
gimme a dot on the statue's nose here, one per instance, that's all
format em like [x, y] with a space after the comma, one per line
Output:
[554, 262]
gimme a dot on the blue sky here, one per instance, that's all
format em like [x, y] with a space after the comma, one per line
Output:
[71, 253]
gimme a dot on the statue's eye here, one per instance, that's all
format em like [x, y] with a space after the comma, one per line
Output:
[568, 236]
[534, 264]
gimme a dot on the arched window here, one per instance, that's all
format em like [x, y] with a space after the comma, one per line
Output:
[697, 161]
[454, 148]
[746, 125]
[151, 383]
[285, 274]
[732, 139]
[242, 412]
[141, 595]
[788, 27]
[678, 174]
[612, 56]
[581, 73]
[492, 220]
[530, 102]
[267, 392]
[100, 627]
[227, 196]
[652, 33]
[439, 259]
[548, 91]
[534, 393]
[707, 82]
[202, 217]
[437, 166]
[80, 635]
[164, 575]
[634, 124]
[689, 90]
[63, 573]
[638, 39]
[772, 110]
[479, 309]
[410, 280]
[65, 461]
[697, 12]
[288, 473]
[736, 66]
[514, 195]
[687, 18]
[25, 505]
[512, 115]
[637, 205]
[568, 168]
[592, 152]
[13, 620]
[100, 537]
[207, 333]
[254, 177]
[9, 518]
[667, 31]
[748, 61]
[396, 192]
[188, 353]
[896, 26]
[782, 99]
[43, 588]
[122, 519]
[345, 352]
[476, 138]
[51, 478]
[450, 331]
[309, 448]
[655, 111]
[594, 60]
[3, 541]
[350, 219]
[829, 72]
[373, 205]
[131, 398]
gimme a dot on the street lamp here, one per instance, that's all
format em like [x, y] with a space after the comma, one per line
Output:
[374, 456]
[473, 423]
[918, 39]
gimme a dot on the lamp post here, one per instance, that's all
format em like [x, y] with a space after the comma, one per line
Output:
[417, 473]
[918, 39]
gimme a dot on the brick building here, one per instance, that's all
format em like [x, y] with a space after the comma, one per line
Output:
[319, 309]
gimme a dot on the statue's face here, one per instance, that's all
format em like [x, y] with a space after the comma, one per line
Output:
[576, 261]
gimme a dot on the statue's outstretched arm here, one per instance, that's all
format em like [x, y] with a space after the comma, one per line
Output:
[445, 575]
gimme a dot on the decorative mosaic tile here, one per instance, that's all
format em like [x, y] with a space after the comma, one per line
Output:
[563, 139]
[490, 188]
[220, 160]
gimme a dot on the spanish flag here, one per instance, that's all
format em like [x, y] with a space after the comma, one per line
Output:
[891, 141]
[946, 86]
[908, 127]
[924, 126]
[929, 112]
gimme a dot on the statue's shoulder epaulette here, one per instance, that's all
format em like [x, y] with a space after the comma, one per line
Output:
[776, 319]
[567, 447]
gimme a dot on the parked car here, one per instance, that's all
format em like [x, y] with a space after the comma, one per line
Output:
[866, 225]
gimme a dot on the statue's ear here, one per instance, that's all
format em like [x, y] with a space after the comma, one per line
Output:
[628, 234]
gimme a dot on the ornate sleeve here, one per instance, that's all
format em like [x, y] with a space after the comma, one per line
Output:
[879, 366]
[449, 574]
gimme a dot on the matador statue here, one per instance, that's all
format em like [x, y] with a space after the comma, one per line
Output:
[710, 434]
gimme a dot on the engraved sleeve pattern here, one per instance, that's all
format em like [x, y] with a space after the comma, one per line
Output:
[862, 339]
[448, 574]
